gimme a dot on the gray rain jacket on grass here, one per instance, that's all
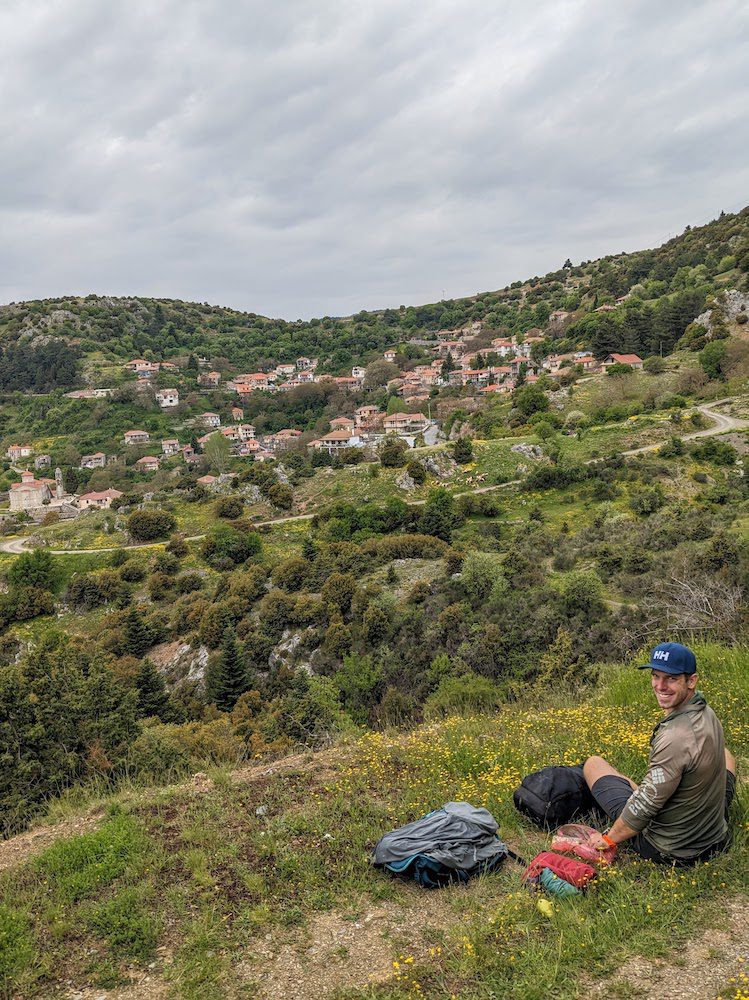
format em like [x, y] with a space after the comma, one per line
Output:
[458, 835]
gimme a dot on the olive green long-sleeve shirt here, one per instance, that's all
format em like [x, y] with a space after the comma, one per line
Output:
[680, 805]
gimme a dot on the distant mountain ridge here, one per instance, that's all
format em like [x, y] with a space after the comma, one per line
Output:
[656, 293]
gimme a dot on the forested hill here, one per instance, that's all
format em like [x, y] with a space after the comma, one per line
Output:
[55, 342]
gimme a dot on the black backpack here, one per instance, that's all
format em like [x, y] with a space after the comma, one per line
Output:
[553, 796]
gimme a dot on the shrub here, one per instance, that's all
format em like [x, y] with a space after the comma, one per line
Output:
[159, 585]
[276, 611]
[187, 583]
[582, 592]
[226, 542]
[647, 499]
[468, 694]
[248, 584]
[147, 525]
[91, 590]
[480, 572]
[555, 476]
[34, 569]
[280, 495]
[178, 546]
[292, 574]
[715, 451]
[409, 546]
[157, 753]
[132, 572]
[24, 603]
[229, 507]
[392, 452]
[339, 590]
[463, 450]
[440, 514]
[417, 472]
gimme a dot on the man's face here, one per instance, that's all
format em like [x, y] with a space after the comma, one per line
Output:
[672, 690]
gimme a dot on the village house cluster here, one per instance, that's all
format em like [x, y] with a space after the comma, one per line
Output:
[496, 368]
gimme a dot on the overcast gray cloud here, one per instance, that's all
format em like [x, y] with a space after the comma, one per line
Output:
[320, 157]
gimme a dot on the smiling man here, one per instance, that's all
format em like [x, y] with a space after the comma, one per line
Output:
[678, 814]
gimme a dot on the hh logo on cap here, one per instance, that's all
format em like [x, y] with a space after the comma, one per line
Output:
[661, 654]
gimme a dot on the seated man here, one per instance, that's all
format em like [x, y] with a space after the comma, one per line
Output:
[678, 814]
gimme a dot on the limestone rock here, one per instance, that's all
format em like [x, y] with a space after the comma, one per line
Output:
[533, 451]
[404, 482]
[180, 663]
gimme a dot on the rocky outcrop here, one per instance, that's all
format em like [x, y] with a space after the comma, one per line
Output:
[533, 451]
[728, 306]
[442, 466]
[404, 482]
[287, 651]
[180, 663]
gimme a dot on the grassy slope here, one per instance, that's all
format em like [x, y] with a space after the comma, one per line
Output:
[224, 895]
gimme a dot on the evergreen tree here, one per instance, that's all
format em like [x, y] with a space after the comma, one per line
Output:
[152, 694]
[463, 450]
[137, 633]
[448, 365]
[231, 677]
[309, 549]
[440, 515]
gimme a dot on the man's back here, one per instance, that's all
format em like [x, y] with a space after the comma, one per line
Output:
[680, 805]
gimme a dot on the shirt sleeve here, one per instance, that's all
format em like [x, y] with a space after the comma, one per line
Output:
[668, 760]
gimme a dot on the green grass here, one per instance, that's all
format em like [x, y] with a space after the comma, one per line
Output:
[93, 530]
[214, 877]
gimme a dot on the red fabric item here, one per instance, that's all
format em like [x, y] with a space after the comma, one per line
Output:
[576, 838]
[574, 872]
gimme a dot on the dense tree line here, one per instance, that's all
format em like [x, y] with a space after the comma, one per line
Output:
[39, 368]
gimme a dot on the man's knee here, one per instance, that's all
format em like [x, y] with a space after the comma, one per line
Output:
[730, 762]
[594, 768]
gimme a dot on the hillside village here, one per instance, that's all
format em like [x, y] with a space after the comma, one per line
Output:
[503, 365]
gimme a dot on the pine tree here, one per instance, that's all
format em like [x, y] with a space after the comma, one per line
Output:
[231, 676]
[309, 549]
[152, 694]
[137, 633]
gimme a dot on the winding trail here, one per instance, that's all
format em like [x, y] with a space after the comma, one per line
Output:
[723, 424]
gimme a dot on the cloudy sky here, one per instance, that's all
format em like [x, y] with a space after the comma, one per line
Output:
[310, 158]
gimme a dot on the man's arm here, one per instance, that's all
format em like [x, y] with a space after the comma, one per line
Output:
[618, 833]
[668, 759]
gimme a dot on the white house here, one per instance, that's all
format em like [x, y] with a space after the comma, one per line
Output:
[101, 501]
[405, 423]
[167, 398]
[337, 441]
[17, 451]
[137, 437]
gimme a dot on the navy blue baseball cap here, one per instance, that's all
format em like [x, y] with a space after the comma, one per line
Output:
[672, 658]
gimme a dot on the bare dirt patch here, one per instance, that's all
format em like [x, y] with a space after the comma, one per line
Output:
[705, 965]
[344, 950]
[142, 986]
[19, 849]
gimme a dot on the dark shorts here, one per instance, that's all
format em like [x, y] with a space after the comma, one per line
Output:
[612, 792]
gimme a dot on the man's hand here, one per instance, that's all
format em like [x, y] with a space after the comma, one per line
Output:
[599, 843]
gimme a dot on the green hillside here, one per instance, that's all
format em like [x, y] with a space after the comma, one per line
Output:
[667, 287]
[256, 882]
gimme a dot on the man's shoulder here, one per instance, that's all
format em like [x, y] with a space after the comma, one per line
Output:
[675, 728]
